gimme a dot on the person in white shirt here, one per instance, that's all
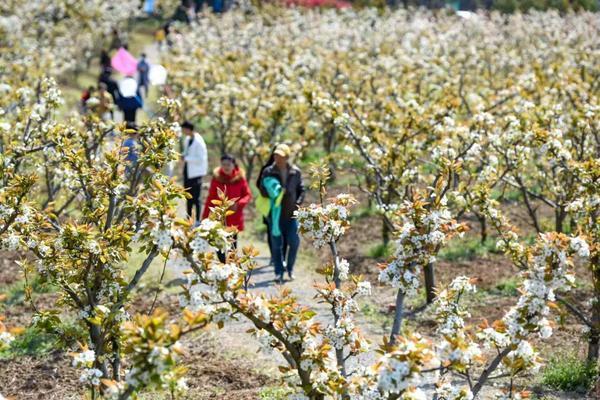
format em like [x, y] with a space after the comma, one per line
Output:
[195, 166]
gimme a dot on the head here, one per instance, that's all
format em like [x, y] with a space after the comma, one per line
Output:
[228, 163]
[143, 56]
[102, 87]
[187, 128]
[281, 155]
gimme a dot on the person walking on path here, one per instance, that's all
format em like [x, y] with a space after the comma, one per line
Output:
[130, 104]
[143, 68]
[231, 180]
[104, 109]
[130, 147]
[262, 205]
[282, 183]
[195, 166]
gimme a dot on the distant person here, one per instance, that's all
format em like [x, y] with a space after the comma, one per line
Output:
[104, 60]
[130, 147]
[159, 37]
[105, 106]
[85, 96]
[143, 69]
[111, 85]
[182, 13]
[229, 179]
[195, 166]
[282, 183]
[149, 7]
[130, 104]
[116, 40]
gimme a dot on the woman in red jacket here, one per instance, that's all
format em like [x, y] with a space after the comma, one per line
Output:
[230, 179]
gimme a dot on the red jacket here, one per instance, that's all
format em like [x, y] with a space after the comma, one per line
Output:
[234, 186]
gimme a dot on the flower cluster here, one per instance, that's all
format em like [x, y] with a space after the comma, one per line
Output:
[325, 224]
[423, 228]
[457, 351]
[400, 368]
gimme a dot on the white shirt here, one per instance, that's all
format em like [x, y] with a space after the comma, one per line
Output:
[195, 156]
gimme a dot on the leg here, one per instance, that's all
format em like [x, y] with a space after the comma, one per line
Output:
[277, 242]
[285, 247]
[293, 243]
[222, 256]
[194, 202]
[269, 239]
[188, 202]
[199, 202]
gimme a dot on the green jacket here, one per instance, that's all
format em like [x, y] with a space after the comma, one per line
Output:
[275, 193]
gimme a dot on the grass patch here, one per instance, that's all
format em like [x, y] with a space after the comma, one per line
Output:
[363, 212]
[374, 315]
[569, 373]
[273, 393]
[314, 156]
[15, 293]
[467, 249]
[380, 251]
[32, 342]
[508, 287]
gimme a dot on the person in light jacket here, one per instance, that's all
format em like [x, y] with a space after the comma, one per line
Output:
[195, 166]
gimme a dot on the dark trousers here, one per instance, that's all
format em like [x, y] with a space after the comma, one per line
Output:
[267, 222]
[194, 188]
[223, 256]
[289, 234]
[129, 114]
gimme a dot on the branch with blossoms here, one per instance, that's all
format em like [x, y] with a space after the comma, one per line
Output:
[121, 209]
[425, 226]
[315, 355]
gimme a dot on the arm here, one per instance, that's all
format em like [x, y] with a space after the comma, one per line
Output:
[300, 190]
[212, 195]
[246, 195]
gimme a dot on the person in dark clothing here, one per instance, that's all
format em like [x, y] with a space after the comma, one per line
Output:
[266, 221]
[289, 178]
[130, 145]
[104, 60]
[143, 68]
[111, 85]
[129, 106]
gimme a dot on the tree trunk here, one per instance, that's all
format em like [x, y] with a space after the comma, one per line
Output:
[398, 315]
[385, 233]
[339, 353]
[483, 225]
[329, 148]
[429, 282]
[594, 340]
[559, 218]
